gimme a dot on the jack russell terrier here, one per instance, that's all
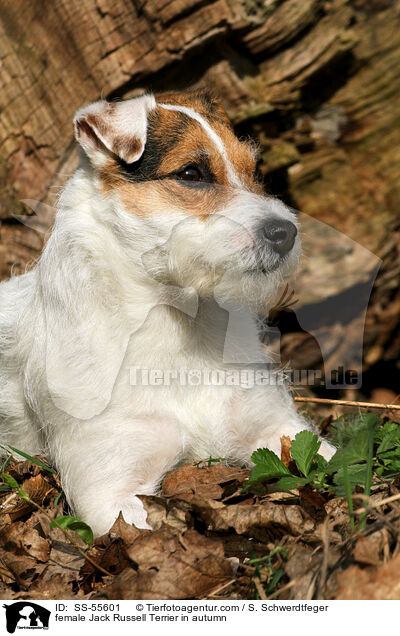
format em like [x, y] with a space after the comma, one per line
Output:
[163, 249]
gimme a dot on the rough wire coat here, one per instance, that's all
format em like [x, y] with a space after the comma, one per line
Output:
[163, 248]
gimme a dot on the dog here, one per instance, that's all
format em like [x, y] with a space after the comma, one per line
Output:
[164, 248]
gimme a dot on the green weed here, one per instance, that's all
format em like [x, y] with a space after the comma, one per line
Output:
[269, 570]
[367, 447]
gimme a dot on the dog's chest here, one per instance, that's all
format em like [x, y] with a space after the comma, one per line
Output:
[174, 367]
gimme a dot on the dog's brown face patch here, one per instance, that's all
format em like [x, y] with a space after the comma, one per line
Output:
[182, 168]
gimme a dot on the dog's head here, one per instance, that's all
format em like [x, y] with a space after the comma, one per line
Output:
[185, 195]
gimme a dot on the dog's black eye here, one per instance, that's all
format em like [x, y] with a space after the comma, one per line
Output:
[190, 173]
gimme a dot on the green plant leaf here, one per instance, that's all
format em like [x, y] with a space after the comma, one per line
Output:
[389, 471]
[6, 463]
[291, 482]
[393, 455]
[356, 475]
[267, 466]
[389, 441]
[33, 460]
[369, 470]
[10, 481]
[353, 453]
[304, 448]
[345, 428]
[273, 582]
[319, 464]
[73, 523]
[57, 499]
[383, 430]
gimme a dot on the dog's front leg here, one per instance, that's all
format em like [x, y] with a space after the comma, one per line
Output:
[104, 464]
[266, 415]
[289, 426]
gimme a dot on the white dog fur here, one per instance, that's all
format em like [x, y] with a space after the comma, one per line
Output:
[132, 278]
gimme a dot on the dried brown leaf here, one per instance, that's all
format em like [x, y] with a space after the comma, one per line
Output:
[37, 488]
[368, 549]
[65, 556]
[172, 512]
[381, 583]
[113, 558]
[26, 469]
[338, 510]
[109, 552]
[51, 584]
[286, 444]
[21, 539]
[300, 568]
[244, 519]
[207, 482]
[124, 531]
[171, 566]
[313, 502]
[18, 568]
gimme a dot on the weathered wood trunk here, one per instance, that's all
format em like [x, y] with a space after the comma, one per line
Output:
[317, 82]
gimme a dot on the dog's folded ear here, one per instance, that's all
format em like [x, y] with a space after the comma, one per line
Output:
[105, 129]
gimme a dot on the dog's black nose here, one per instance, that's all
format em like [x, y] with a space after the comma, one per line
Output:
[281, 234]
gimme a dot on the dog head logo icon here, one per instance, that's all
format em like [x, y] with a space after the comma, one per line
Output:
[26, 615]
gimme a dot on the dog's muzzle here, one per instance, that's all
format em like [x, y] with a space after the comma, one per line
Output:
[280, 235]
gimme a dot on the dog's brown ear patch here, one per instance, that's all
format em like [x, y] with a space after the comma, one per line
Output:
[128, 148]
[104, 129]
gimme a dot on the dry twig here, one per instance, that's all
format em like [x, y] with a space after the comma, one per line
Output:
[282, 589]
[325, 559]
[370, 405]
[260, 589]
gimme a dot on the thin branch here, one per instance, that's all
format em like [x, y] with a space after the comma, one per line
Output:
[217, 589]
[325, 559]
[380, 517]
[370, 405]
[282, 589]
[378, 504]
[260, 589]
[3, 505]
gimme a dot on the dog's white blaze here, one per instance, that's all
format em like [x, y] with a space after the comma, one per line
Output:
[216, 139]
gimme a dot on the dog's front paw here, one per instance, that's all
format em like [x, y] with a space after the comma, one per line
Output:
[102, 517]
[326, 449]
[134, 512]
